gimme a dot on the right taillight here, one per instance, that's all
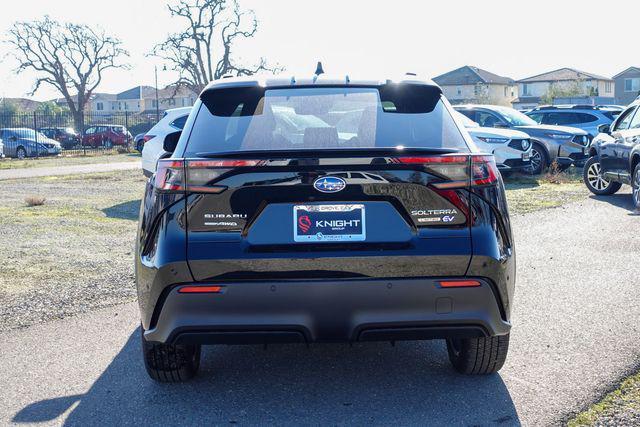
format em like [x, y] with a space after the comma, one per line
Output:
[483, 170]
[457, 171]
[147, 138]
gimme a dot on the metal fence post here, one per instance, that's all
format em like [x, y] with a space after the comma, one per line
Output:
[126, 127]
[82, 134]
[35, 129]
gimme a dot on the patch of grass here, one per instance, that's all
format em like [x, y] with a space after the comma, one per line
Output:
[66, 160]
[611, 409]
[72, 253]
[552, 189]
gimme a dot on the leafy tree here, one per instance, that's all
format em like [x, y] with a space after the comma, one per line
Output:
[50, 108]
[7, 108]
[571, 90]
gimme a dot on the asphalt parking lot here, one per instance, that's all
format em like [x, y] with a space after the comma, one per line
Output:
[573, 340]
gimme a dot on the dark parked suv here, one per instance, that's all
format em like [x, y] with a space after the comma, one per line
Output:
[369, 219]
[615, 156]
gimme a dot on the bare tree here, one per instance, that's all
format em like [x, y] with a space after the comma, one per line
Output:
[70, 57]
[203, 51]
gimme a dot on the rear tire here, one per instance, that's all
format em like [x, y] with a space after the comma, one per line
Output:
[538, 161]
[170, 363]
[478, 356]
[635, 187]
[595, 182]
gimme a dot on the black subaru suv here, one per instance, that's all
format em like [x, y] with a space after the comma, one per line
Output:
[323, 210]
[614, 156]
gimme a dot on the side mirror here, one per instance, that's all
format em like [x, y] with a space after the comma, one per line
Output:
[13, 138]
[171, 141]
[604, 129]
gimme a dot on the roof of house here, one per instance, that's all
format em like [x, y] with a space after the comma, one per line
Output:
[526, 100]
[628, 69]
[137, 92]
[563, 74]
[470, 75]
[22, 104]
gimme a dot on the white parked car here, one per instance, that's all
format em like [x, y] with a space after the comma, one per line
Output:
[511, 148]
[172, 121]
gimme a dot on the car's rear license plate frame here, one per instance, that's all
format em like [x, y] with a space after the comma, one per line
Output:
[329, 223]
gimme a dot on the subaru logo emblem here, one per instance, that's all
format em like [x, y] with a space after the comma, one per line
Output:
[329, 184]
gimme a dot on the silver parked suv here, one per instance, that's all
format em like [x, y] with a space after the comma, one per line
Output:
[560, 144]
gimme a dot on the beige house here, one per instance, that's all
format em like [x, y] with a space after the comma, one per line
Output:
[532, 89]
[141, 99]
[473, 85]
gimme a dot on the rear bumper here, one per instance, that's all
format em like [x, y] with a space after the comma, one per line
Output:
[328, 311]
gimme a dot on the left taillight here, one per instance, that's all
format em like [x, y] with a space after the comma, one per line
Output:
[198, 176]
[170, 175]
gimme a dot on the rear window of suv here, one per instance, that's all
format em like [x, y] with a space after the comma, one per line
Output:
[242, 119]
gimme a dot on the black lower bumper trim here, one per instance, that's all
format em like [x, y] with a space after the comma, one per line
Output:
[329, 311]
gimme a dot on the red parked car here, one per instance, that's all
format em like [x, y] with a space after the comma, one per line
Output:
[106, 136]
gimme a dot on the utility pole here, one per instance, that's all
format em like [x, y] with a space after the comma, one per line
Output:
[157, 100]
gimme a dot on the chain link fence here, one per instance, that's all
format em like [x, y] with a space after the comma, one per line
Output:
[35, 134]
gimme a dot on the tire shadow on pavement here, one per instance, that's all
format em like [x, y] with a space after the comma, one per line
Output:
[621, 200]
[372, 383]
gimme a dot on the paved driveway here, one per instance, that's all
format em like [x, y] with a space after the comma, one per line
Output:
[67, 170]
[576, 333]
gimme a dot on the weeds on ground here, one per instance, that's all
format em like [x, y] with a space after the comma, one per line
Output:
[32, 201]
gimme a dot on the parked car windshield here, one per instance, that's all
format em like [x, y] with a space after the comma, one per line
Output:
[515, 117]
[466, 121]
[241, 119]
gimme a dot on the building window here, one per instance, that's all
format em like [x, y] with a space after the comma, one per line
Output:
[126, 106]
[525, 89]
[154, 104]
[607, 87]
[99, 106]
[459, 91]
[632, 85]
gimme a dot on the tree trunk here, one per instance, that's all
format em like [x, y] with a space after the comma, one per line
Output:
[78, 122]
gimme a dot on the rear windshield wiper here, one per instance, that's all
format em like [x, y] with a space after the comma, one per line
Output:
[332, 152]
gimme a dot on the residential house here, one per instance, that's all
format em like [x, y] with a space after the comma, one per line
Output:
[474, 85]
[627, 85]
[141, 99]
[589, 85]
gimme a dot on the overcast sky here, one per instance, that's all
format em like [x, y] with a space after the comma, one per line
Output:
[511, 38]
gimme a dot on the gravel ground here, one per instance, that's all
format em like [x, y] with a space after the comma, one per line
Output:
[72, 254]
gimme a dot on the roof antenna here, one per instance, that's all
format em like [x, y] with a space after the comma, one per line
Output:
[319, 69]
